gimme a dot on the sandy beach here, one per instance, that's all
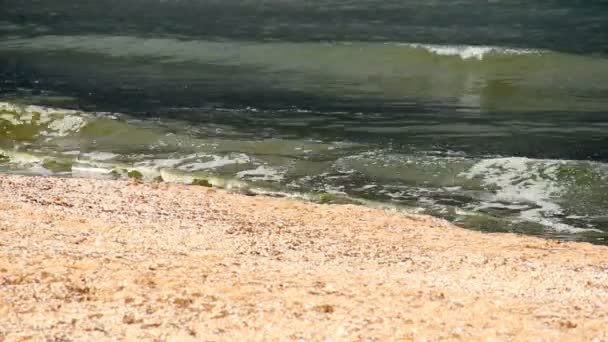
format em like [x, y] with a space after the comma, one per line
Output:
[84, 259]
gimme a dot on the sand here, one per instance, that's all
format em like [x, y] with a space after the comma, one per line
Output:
[84, 259]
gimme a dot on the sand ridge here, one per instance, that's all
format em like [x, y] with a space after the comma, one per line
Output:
[84, 259]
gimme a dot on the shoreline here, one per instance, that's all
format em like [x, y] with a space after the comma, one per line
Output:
[102, 259]
[526, 193]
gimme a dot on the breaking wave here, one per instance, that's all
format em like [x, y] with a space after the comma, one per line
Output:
[471, 51]
[548, 197]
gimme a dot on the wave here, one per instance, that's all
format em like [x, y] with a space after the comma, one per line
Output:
[499, 194]
[193, 72]
[524, 194]
[29, 122]
[277, 55]
[466, 52]
[541, 183]
[229, 52]
[540, 196]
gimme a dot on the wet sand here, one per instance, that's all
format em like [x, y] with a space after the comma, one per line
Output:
[84, 259]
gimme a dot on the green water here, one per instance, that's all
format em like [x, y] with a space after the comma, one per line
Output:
[556, 198]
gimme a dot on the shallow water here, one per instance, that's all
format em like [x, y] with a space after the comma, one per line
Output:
[489, 114]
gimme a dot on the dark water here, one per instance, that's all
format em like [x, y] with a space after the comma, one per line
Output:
[493, 114]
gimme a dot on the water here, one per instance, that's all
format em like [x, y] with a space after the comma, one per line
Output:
[491, 114]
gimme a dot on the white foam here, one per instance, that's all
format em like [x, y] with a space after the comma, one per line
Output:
[470, 51]
[29, 110]
[12, 119]
[66, 125]
[60, 122]
[520, 180]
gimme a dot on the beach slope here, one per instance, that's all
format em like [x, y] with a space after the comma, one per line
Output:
[84, 259]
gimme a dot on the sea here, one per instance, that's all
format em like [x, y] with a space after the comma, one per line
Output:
[492, 114]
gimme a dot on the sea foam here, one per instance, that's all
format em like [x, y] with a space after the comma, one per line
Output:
[530, 181]
[470, 51]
